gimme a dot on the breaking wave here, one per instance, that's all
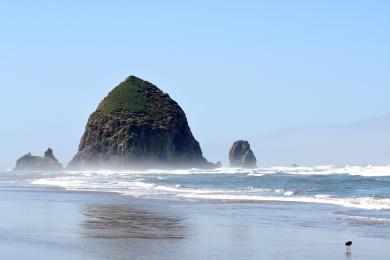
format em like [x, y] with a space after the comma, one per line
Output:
[361, 187]
[138, 187]
[368, 171]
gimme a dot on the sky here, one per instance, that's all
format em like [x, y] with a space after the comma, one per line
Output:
[365, 142]
[239, 69]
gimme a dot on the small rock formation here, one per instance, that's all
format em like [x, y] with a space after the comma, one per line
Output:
[241, 155]
[38, 163]
[138, 126]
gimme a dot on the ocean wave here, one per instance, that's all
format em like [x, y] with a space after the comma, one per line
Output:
[370, 219]
[367, 171]
[360, 203]
[285, 192]
[139, 188]
[229, 184]
[160, 171]
[256, 174]
[321, 196]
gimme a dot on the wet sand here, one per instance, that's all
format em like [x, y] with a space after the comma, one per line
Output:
[46, 223]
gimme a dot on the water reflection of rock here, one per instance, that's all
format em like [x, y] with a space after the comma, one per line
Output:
[122, 221]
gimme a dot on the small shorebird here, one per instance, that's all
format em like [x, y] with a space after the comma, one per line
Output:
[348, 245]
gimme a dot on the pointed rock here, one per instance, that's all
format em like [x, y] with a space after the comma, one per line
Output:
[138, 125]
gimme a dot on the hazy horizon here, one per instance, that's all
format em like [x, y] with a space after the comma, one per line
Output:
[238, 70]
[279, 148]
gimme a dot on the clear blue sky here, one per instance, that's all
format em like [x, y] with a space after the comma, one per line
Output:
[239, 69]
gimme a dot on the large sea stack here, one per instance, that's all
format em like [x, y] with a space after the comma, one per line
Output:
[138, 126]
[241, 155]
[30, 162]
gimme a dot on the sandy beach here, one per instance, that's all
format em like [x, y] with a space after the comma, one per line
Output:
[50, 223]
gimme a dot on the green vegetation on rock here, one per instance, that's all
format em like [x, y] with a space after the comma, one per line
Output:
[136, 96]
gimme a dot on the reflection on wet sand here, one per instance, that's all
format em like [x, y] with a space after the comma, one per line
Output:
[122, 221]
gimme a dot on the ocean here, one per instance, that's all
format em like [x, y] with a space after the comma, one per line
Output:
[360, 195]
[265, 213]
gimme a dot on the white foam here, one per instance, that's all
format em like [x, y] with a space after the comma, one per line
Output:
[139, 188]
[364, 218]
[285, 192]
[302, 170]
[322, 196]
[361, 203]
[368, 171]
[159, 171]
[64, 183]
[134, 183]
[256, 174]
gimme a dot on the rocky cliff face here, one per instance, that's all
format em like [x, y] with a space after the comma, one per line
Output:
[36, 163]
[138, 125]
[241, 155]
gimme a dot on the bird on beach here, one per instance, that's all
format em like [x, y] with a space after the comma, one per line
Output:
[348, 245]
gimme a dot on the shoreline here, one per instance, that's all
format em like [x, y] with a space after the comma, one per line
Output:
[54, 223]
